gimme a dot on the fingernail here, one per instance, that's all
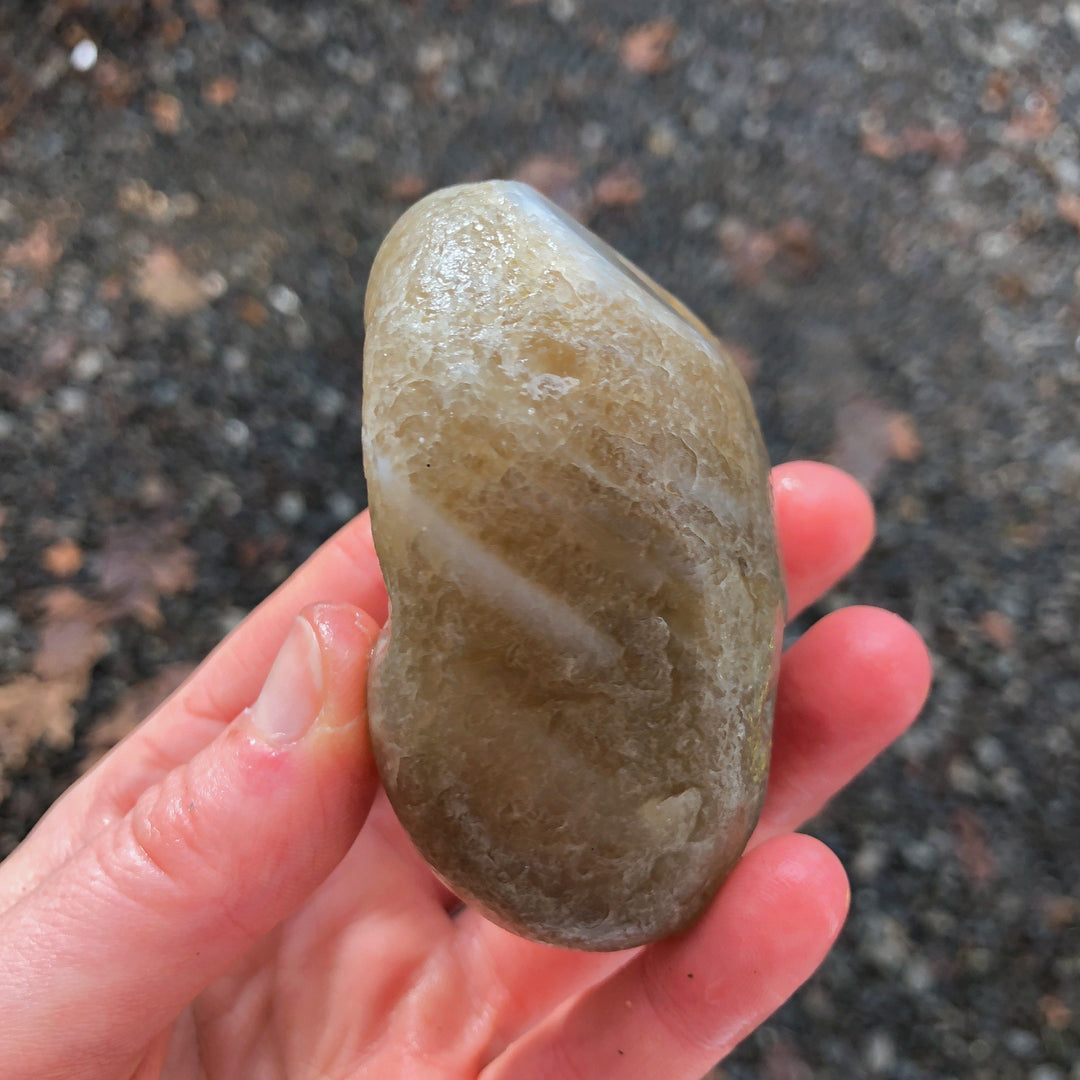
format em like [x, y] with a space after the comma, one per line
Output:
[292, 694]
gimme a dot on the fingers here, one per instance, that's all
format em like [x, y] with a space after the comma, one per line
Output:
[852, 684]
[824, 523]
[105, 952]
[681, 1005]
[344, 570]
[848, 687]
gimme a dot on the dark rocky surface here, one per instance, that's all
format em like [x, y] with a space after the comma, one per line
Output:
[879, 202]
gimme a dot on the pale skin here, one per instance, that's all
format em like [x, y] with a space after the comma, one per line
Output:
[222, 899]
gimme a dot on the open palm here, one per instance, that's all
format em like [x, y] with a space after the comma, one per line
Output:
[205, 903]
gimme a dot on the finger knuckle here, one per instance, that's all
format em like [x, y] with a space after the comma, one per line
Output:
[167, 855]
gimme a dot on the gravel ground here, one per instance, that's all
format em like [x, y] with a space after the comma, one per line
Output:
[877, 202]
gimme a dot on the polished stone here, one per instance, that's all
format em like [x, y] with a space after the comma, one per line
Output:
[571, 707]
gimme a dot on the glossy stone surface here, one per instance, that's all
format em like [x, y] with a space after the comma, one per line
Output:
[570, 501]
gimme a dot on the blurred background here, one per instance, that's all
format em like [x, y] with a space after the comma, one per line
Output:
[875, 202]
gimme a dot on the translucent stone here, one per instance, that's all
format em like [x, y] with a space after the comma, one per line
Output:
[570, 501]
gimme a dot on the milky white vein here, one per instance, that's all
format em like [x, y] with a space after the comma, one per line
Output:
[478, 569]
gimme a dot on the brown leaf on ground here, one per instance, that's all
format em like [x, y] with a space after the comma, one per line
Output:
[221, 91]
[620, 187]
[1055, 1013]
[33, 709]
[71, 641]
[869, 436]
[166, 112]
[137, 566]
[789, 247]
[881, 146]
[252, 552]
[1035, 120]
[172, 31]
[139, 198]
[206, 9]
[796, 244]
[743, 359]
[995, 95]
[1059, 912]
[947, 144]
[38, 252]
[134, 706]
[115, 84]
[167, 285]
[904, 441]
[558, 179]
[62, 559]
[110, 289]
[972, 848]
[1013, 289]
[749, 250]
[998, 629]
[646, 49]
[782, 1061]
[251, 312]
[41, 705]
[408, 187]
[140, 564]
[1068, 206]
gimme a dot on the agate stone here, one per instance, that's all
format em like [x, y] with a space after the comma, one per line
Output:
[571, 706]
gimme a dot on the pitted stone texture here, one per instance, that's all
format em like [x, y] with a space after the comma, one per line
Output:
[570, 501]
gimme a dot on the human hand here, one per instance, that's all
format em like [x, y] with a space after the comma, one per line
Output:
[228, 893]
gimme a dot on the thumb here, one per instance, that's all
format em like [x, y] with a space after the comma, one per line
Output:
[106, 952]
